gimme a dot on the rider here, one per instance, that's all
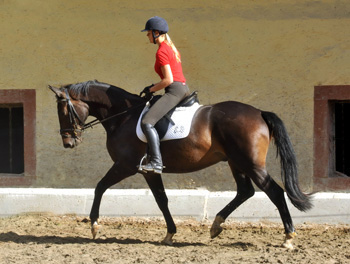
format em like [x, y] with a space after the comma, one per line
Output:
[168, 67]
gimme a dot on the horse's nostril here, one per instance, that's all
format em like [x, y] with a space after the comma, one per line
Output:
[68, 142]
[68, 145]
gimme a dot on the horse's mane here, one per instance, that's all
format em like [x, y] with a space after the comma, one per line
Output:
[81, 88]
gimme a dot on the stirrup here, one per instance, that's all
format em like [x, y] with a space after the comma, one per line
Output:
[149, 168]
[141, 161]
[142, 169]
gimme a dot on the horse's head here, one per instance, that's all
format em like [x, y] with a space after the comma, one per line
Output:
[72, 114]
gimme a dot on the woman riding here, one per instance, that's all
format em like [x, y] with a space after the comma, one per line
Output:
[168, 67]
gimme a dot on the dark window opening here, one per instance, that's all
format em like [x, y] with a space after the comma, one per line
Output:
[342, 137]
[11, 139]
[331, 135]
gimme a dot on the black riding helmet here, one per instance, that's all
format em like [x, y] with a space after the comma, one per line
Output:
[156, 24]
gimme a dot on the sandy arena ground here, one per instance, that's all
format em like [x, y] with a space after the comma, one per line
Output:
[45, 238]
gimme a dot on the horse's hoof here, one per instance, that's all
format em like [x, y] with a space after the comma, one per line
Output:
[288, 241]
[214, 232]
[168, 240]
[288, 245]
[216, 228]
[95, 227]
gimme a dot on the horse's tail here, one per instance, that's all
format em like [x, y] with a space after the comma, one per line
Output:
[289, 170]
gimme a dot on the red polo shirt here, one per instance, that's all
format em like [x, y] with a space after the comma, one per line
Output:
[165, 55]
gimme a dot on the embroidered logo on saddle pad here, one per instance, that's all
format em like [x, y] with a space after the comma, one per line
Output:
[182, 118]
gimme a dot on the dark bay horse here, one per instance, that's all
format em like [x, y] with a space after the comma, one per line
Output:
[227, 131]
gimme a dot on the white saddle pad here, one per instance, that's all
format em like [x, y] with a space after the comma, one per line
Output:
[182, 118]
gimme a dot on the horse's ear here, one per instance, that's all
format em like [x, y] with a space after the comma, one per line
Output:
[57, 91]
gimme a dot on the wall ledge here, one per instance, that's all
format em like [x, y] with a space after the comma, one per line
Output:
[331, 208]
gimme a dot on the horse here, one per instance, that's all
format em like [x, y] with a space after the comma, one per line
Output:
[229, 131]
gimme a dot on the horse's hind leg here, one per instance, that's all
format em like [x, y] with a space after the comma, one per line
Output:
[155, 183]
[276, 194]
[245, 190]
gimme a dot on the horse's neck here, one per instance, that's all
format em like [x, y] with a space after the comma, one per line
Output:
[107, 101]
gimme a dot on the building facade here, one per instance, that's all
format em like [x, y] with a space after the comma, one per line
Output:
[291, 58]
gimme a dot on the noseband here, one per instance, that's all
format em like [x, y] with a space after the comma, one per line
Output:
[73, 116]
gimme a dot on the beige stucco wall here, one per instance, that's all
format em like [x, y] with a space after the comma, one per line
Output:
[266, 53]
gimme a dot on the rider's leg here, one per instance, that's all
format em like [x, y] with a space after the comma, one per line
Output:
[173, 95]
[155, 163]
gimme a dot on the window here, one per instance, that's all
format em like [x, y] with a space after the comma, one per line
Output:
[17, 137]
[11, 139]
[342, 137]
[332, 138]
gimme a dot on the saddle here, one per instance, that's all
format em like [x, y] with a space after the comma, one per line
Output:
[162, 125]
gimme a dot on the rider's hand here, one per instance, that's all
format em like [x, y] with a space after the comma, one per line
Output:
[147, 92]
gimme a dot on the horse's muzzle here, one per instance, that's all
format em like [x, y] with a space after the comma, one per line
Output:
[71, 142]
[68, 144]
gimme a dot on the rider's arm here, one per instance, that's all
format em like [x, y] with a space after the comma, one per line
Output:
[166, 81]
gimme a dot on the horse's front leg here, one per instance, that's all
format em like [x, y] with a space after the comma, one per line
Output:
[113, 176]
[156, 185]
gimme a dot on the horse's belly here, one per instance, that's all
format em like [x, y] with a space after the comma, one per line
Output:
[193, 161]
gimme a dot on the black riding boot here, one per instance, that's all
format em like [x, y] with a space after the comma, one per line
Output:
[155, 163]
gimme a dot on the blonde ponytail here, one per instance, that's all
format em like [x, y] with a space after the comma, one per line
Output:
[171, 44]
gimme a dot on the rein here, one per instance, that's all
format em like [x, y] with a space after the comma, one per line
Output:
[96, 121]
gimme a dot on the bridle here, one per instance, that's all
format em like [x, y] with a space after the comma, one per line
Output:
[73, 116]
[80, 127]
